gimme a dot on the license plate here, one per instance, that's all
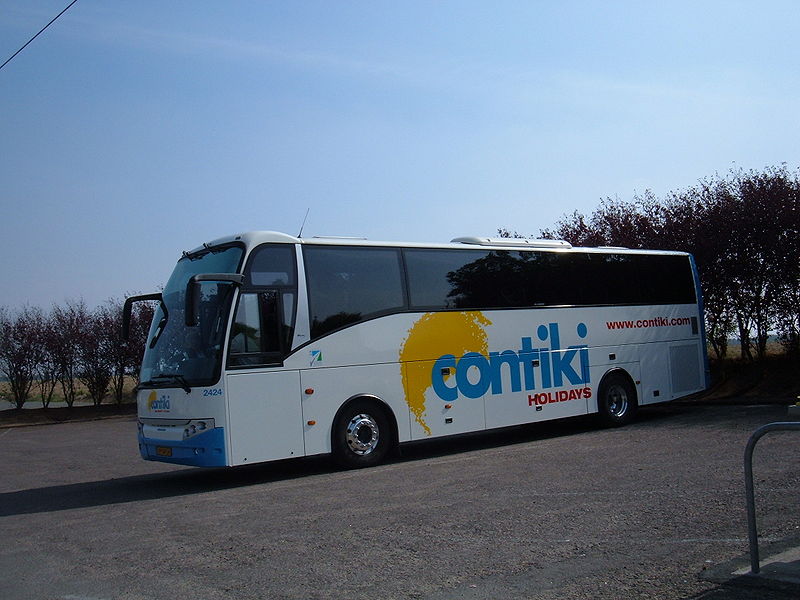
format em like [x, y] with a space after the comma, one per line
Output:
[163, 451]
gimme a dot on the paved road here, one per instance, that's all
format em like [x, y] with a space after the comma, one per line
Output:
[549, 511]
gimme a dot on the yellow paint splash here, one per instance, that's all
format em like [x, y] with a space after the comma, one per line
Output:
[434, 335]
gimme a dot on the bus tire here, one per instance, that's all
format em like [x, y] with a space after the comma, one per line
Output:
[362, 435]
[616, 400]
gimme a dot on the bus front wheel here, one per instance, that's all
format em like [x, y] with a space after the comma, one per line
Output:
[616, 400]
[362, 435]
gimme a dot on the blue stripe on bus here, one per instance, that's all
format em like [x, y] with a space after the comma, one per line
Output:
[205, 449]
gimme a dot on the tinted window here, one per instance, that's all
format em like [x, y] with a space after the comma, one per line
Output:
[272, 266]
[349, 284]
[428, 282]
[477, 279]
[487, 279]
[667, 280]
[606, 278]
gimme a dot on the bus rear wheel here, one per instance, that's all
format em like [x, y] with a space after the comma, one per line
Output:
[616, 400]
[362, 435]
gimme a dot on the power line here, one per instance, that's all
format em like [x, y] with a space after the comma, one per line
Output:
[37, 35]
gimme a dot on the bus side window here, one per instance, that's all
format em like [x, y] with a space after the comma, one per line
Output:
[350, 284]
[272, 266]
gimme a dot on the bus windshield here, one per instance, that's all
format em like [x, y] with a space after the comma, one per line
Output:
[182, 356]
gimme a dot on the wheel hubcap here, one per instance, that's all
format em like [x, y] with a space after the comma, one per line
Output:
[362, 434]
[617, 401]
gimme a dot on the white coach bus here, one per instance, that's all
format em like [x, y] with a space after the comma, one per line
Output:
[266, 346]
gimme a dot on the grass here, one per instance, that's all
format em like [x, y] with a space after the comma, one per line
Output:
[774, 379]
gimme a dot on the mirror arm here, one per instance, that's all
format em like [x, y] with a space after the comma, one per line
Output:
[193, 287]
[128, 307]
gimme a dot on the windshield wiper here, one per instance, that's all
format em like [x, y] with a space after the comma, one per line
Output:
[170, 378]
[162, 324]
[205, 250]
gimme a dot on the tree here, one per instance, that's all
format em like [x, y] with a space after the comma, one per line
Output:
[18, 353]
[576, 231]
[46, 356]
[694, 221]
[126, 355]
[119, 351]
[615, 223]
[69, 323]
[744, 233]
[141, 318]
[96, 352]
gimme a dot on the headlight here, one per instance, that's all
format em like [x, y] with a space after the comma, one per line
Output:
[194, 427]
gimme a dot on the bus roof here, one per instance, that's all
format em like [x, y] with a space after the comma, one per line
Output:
[254, 238]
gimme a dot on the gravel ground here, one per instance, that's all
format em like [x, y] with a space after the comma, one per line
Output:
[561, 510]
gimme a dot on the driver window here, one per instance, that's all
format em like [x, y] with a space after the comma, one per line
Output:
[246, 331]
[263, 324]
[256, 331]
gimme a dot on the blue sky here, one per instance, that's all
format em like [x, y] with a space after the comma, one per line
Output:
[130, 131]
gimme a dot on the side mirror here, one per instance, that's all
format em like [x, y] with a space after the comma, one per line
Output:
[193, 291]
[126, 311]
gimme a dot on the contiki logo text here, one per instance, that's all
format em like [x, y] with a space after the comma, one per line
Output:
[529, 367]
[158, 404]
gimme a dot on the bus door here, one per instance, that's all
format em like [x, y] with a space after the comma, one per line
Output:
[264, 410]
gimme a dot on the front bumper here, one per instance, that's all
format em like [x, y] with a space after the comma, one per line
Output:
[206, 449]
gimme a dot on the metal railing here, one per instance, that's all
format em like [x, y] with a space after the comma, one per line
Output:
[752, 533]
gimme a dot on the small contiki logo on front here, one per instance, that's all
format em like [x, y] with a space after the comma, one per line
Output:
[156, 403]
